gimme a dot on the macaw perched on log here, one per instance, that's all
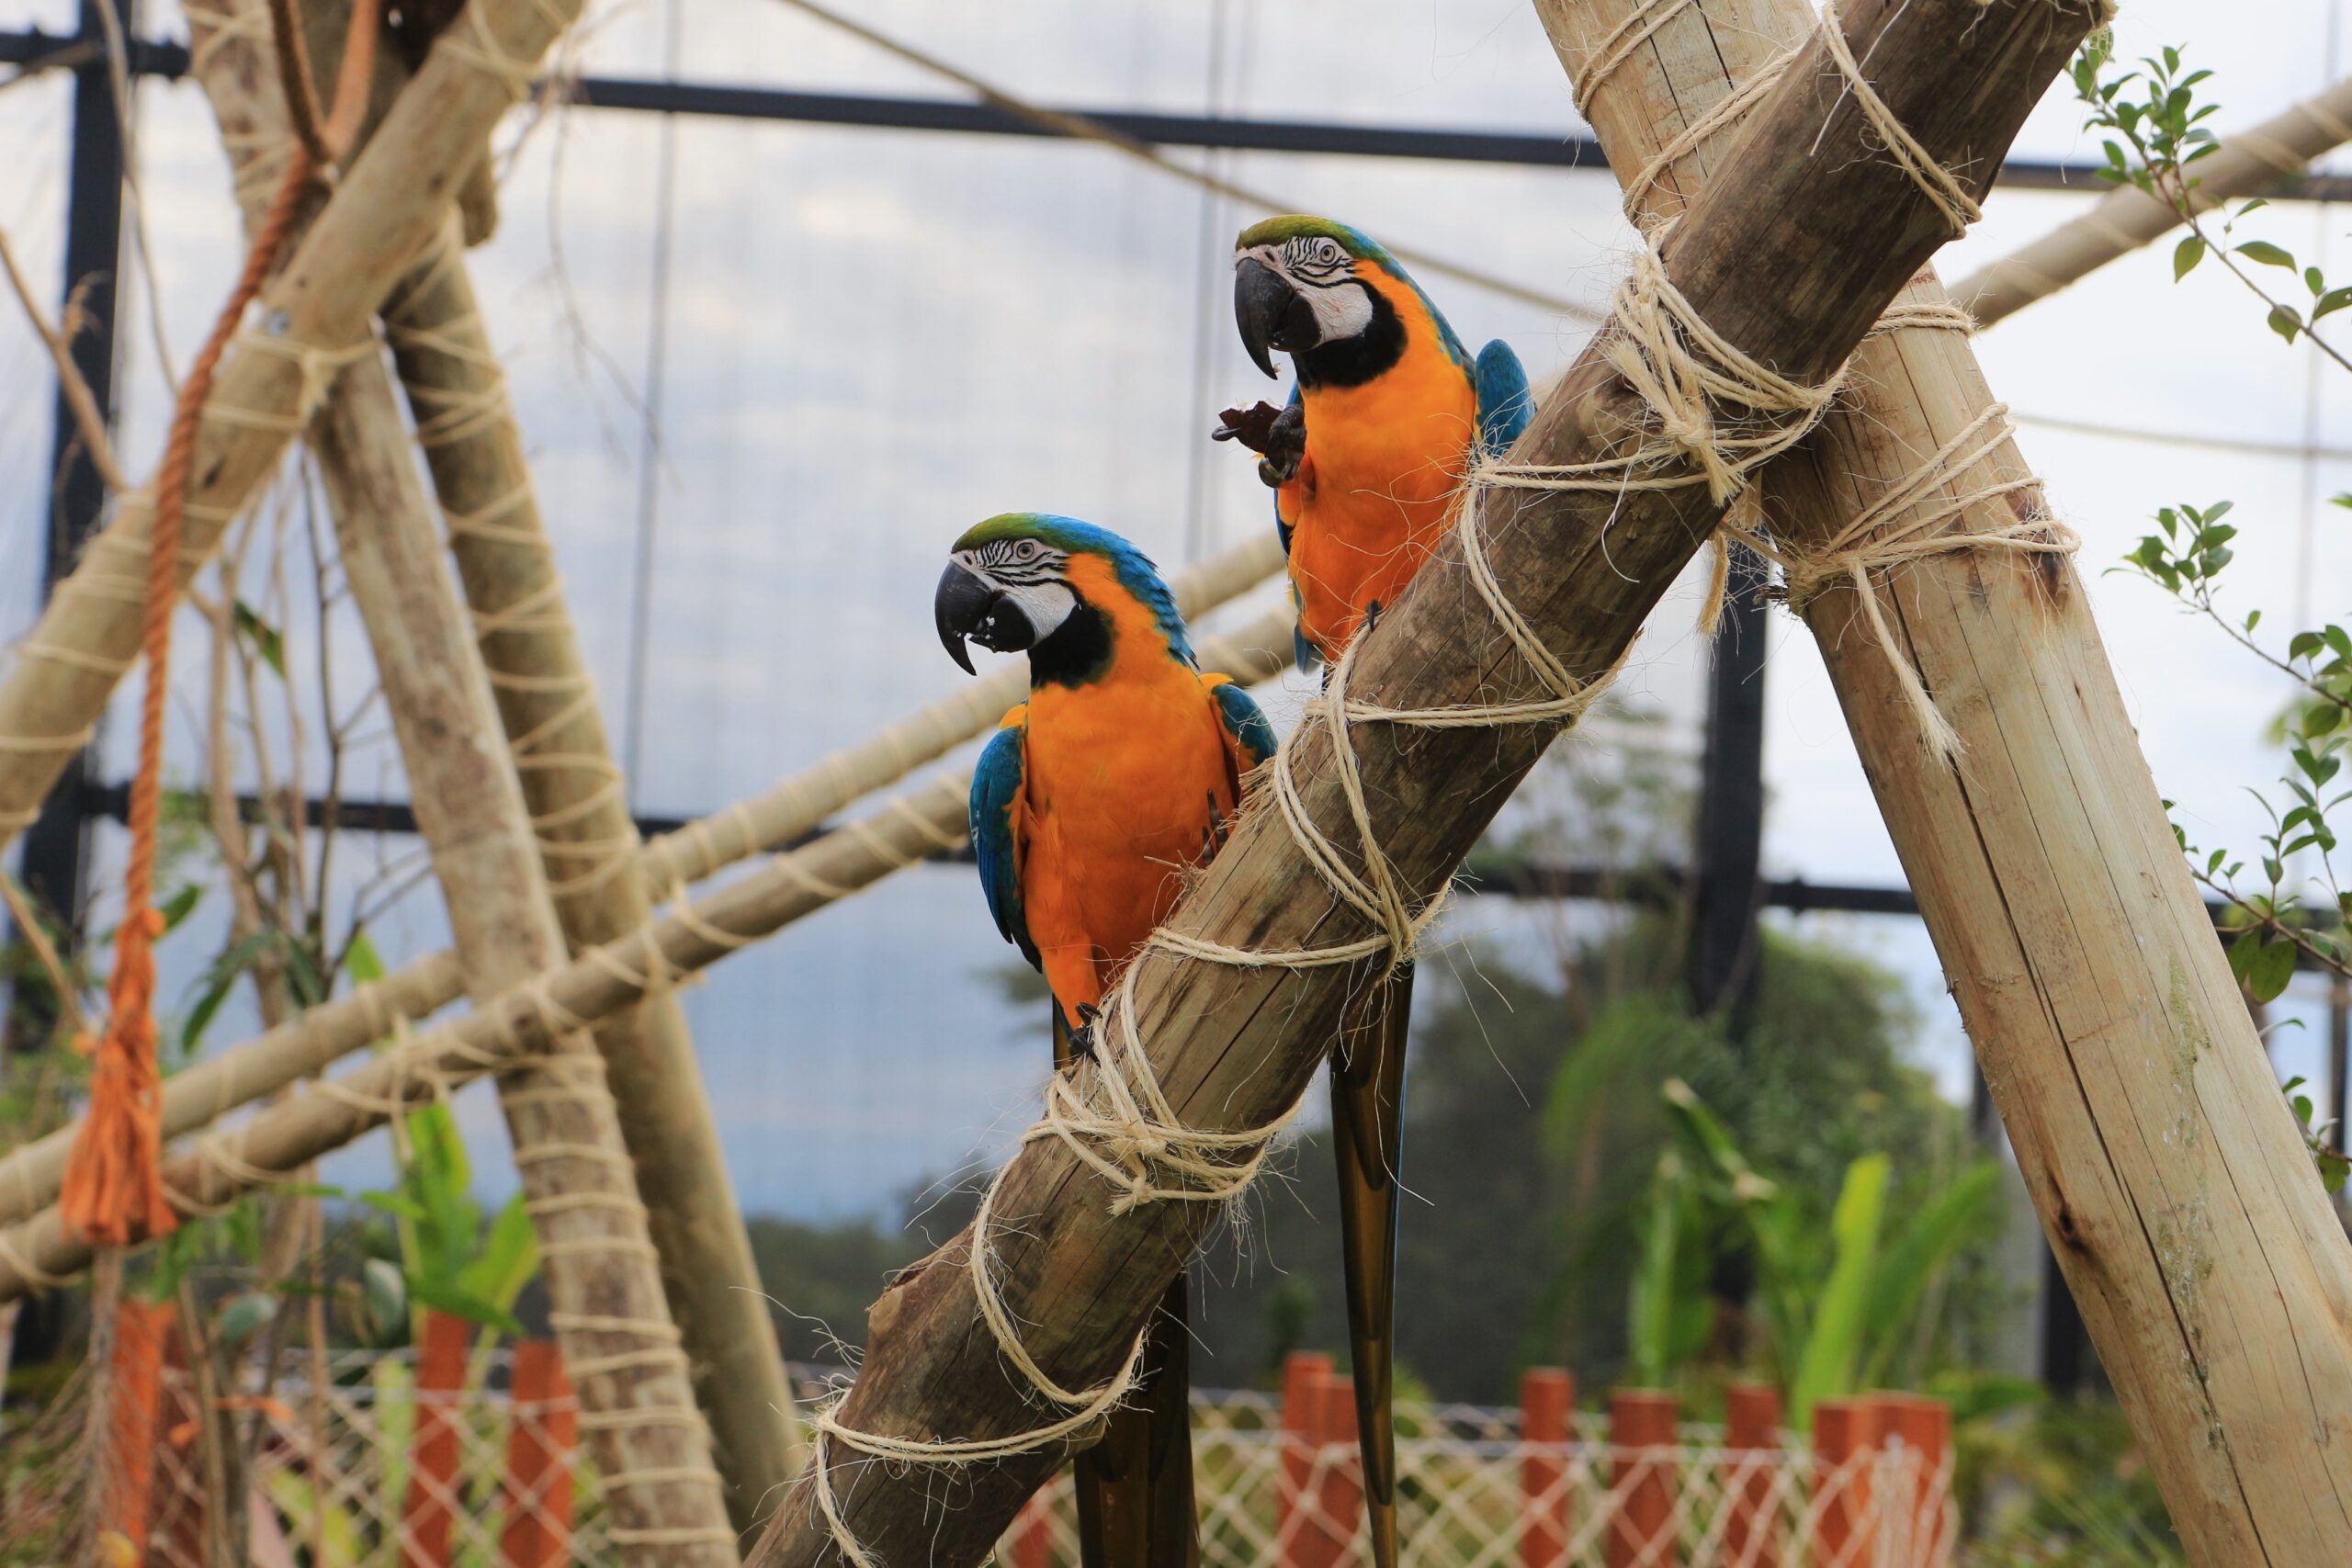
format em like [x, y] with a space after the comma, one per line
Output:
[1366, 462]
[1119, 773]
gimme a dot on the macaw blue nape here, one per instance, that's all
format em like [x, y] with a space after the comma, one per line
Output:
[1366, 461]
[1123, 769]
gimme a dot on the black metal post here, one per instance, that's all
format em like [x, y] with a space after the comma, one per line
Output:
[55, 846]
[1728, 846]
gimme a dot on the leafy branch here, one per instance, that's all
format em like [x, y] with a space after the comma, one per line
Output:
[2156, 132]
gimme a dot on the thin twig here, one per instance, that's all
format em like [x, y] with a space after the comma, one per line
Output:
[78, 397]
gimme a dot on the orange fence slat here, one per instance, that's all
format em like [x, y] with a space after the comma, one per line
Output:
[1546, 1398]
[1303, 1374]
[427, 1516]
[541, 1440]
[1339, 1509]
[1752, 1434]
[1641, 1526]
[1924, 1427]
[1846, 1437]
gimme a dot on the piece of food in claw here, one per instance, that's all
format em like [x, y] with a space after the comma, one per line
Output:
[1253, 426]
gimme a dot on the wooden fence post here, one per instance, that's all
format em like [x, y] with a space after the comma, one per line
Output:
[1304, 1375]
[428, 1511]
[1641, 1524]
[541, 1444]
[1752, 1434]
[1924, 1427]
[1546, 1399]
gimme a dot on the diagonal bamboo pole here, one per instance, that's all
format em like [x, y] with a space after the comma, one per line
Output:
[2127, 217]
[385, 208]
[773, 819]
[1789, 257]
[2144, 1116]
[327, 1114]
[579, 1187]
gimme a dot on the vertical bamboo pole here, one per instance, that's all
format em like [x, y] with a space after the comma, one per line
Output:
[589, 843]
[608, 1308]
[1546, 1402]
[2164, 1165]
[1641, 1525]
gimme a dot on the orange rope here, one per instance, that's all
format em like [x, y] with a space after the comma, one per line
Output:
[113, 1191]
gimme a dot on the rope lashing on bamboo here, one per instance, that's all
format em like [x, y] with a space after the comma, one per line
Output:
[1642, 22]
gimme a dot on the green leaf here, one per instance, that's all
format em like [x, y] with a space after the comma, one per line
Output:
[445, 1297]
[1833, 1349]
[1921, 1249]
[2302, 645]
[2186, 255]
[263, 636]
[2272, 967]
[2285, 323]
[509, 1256]
[2265, 253]
[361, 959]
[180, 906]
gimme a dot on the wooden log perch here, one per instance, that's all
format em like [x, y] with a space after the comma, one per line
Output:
[1788, 258]
[2127, 217]
[608, 1310]
[325, 1115]
[385, 208]
[2143, 1113]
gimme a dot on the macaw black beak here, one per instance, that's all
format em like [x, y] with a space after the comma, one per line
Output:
[965, 606]
[1271, 314]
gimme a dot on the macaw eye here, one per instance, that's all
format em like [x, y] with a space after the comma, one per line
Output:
[1027, 549]
[1328, 252]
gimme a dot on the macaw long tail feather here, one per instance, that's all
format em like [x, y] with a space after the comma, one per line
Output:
[1368, 1137]
[1135, 1487]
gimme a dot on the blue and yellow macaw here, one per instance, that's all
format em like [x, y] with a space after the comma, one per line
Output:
[1366, 463]
[1120, 771]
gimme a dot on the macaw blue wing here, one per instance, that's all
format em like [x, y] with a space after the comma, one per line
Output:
[996, 798]
[1505, 401]
[1248, 736]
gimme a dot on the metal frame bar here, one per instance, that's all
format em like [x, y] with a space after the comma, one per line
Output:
[33, 50]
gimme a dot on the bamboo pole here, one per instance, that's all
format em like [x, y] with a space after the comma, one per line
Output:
[385, 208]
[326, 1114]
[578, 1186]
[315, 1040]
[2128, 217]
[1789, 257]
[2144, 1117]
[588, 843]
[609, 1309]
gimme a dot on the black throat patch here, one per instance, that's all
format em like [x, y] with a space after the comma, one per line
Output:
[1353, 361]
[1078, 650]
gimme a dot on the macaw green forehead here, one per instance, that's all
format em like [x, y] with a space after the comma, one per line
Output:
[1277, 230]
[1065, 533]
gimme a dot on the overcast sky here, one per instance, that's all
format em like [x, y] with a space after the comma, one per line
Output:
[875, 338]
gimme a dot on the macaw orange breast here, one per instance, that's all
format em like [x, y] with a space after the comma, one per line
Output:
[1384, 462]
[1124, 781]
